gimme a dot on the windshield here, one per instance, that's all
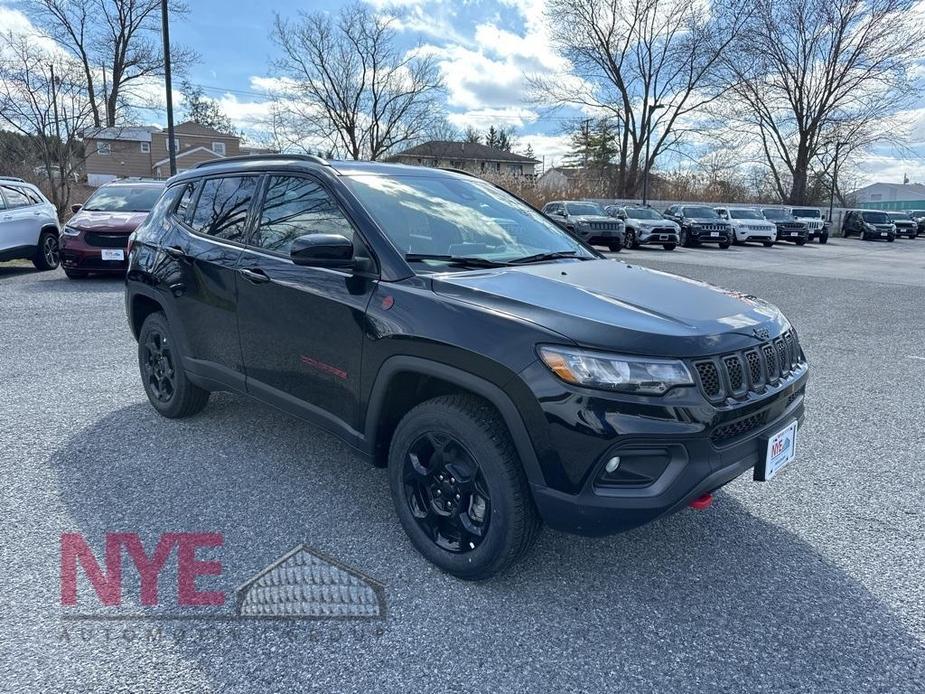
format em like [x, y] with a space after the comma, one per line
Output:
[806, 212]
[585, 208]
[449, 216]
[900, 215]
[875, 217]
[700, 212]
[917, 213]
[642, 213]
[123, 199]
[775, 213]
[744, 214]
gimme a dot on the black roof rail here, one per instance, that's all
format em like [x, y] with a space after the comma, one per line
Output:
[265, 157]
[12, 178]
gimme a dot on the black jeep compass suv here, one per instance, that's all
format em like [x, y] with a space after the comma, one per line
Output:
[504, 372]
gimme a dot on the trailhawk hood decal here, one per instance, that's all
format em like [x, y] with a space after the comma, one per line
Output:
[611, 305]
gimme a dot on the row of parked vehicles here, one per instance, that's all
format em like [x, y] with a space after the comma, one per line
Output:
[95, 239]
[631, 226]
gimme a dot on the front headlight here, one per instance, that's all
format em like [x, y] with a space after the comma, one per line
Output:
[869, 227]
[615, 372]
[70, 231]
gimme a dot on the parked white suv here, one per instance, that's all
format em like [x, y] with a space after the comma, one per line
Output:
[748, 225]
[28, 224]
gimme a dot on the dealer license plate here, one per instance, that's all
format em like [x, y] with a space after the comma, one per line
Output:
[884, 234]
[113, 254]
[782, 448]
[714, 234]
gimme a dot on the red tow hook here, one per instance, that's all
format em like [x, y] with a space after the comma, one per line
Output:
[702, 503]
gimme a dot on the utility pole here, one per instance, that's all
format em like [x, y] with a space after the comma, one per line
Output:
[645, 166]
[171, 140]
[54, 105]
[838, 146]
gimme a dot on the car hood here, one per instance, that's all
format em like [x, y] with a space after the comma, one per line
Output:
[652, 223]
[610, 305]
[751, 222]
[705, 220]
[119, 222]
[585, 218]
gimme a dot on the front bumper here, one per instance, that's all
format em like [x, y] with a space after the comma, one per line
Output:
[77, 254]
[601, 236]
[657, 237]
[792, 235]
[586, 430]
[702, 236]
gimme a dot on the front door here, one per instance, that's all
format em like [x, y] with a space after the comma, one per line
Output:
[302, 328]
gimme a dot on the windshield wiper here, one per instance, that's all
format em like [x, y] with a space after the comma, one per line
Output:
[551, 255]
[464, 260]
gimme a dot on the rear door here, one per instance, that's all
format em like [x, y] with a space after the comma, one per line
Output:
[20, 219]
[302, 328]
[203, 248]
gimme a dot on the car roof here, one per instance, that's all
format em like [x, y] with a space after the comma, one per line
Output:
[134, 182]
[306, 162]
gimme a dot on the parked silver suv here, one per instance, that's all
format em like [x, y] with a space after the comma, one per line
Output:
[588, 221]
[28, 224]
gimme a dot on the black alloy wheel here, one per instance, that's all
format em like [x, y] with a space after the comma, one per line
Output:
[166, 384]
[446, 492]
[157, 364]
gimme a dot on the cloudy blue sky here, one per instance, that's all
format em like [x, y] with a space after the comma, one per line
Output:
[485, 47]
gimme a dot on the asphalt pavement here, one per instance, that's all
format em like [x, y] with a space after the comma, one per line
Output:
[814, 581]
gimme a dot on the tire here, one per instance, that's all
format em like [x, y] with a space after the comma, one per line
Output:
[168, 389]
[47, 256]
[669, 246]
[725, 245]
[768, 244]
[891, 239]
[75, 274]
[824, 238]
[630, 239]
[685, 238]
[862, 236]
[615, 247]
[470, 431]
[800, 242]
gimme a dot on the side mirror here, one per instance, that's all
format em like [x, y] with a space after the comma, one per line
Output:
[76, 208]
[322, 250]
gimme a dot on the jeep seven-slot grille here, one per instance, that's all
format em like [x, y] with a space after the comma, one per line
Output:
[751, 370]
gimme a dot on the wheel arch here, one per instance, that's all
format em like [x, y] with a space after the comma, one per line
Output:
[405, 381]
[141, 307]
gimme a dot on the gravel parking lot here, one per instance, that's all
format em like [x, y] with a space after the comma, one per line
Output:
[812, 582]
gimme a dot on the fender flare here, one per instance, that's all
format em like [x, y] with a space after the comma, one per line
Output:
[466, 380]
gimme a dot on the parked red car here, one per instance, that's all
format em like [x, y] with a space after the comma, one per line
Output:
[95, 239]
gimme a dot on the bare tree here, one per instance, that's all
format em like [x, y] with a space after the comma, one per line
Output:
[810, 74]
[43, 97]
[649, 65]
[116, 43]
[351, 86]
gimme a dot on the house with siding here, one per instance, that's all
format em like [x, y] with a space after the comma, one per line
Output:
[467, 156]
[122, 152]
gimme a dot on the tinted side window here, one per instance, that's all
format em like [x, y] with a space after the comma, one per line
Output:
[221, 210]
[14, 197]
[34, 198]
[294, 207]
[186, 201]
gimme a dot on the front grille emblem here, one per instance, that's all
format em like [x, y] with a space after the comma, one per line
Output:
[761, 333]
